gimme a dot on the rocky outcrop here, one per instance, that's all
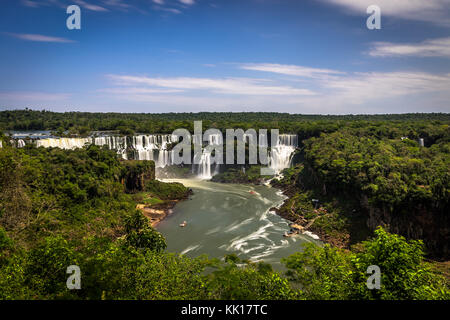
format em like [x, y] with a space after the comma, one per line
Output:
[136, 174]
[430, 224]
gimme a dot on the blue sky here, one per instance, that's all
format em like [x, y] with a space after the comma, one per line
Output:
[297, 56]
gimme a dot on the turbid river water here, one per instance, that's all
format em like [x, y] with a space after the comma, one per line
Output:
[231, 218]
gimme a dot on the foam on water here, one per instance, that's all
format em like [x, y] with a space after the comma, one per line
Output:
[191, 248]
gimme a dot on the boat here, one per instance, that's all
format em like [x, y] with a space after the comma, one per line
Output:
[183, 224]
[289, 234]
[252, 192]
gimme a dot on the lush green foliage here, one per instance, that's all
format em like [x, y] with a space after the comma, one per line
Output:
[59, 208]
[62, 208]
[331, 273]
[252, 174]
[304, 125]
[254, 282]
[390, 171]
[167, 191]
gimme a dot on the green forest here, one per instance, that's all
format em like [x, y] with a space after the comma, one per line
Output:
[384, 201]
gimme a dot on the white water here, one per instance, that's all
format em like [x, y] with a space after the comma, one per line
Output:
[154, 147]
[144, 147]
[230, 218]
[63, 143]
[281, 154]
[20, 143]
[113, 143]
[205, 170]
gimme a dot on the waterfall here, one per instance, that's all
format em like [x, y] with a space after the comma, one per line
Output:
[421, 142]
[281, 154]
[156, 147]
[113, 143]
[204, 170]
[145, 147]
[63, 143]
[20, 143]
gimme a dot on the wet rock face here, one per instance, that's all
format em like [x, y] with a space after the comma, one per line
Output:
[137, 174]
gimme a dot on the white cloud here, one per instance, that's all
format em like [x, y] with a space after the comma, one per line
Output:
[172, 10]
[363, 87]
[158, 1]
[39, 38]
[435, 11]
[337, 89]
[292, 70]
[428, 48]
[89, 6]
[31, 4]
[359, 84]
[334, 91]
[238, 86]
[188, 2]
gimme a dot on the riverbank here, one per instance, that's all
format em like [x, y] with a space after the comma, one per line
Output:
[334, 221]
[157, 212]
[306, 223]
[159, 198]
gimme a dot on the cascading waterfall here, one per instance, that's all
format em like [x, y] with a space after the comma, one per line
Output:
[20, 143]
[155, 147]
[281, 154]
[145, 147]
[204, 170]
[63, 143]
[113, 143]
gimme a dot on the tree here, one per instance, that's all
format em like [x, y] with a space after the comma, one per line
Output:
[404, 273]
[330, 273]
[139, 234]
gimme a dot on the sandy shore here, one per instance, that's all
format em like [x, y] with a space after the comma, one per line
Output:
[157, 213]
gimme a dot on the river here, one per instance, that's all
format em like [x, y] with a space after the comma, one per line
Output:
[230, 218]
